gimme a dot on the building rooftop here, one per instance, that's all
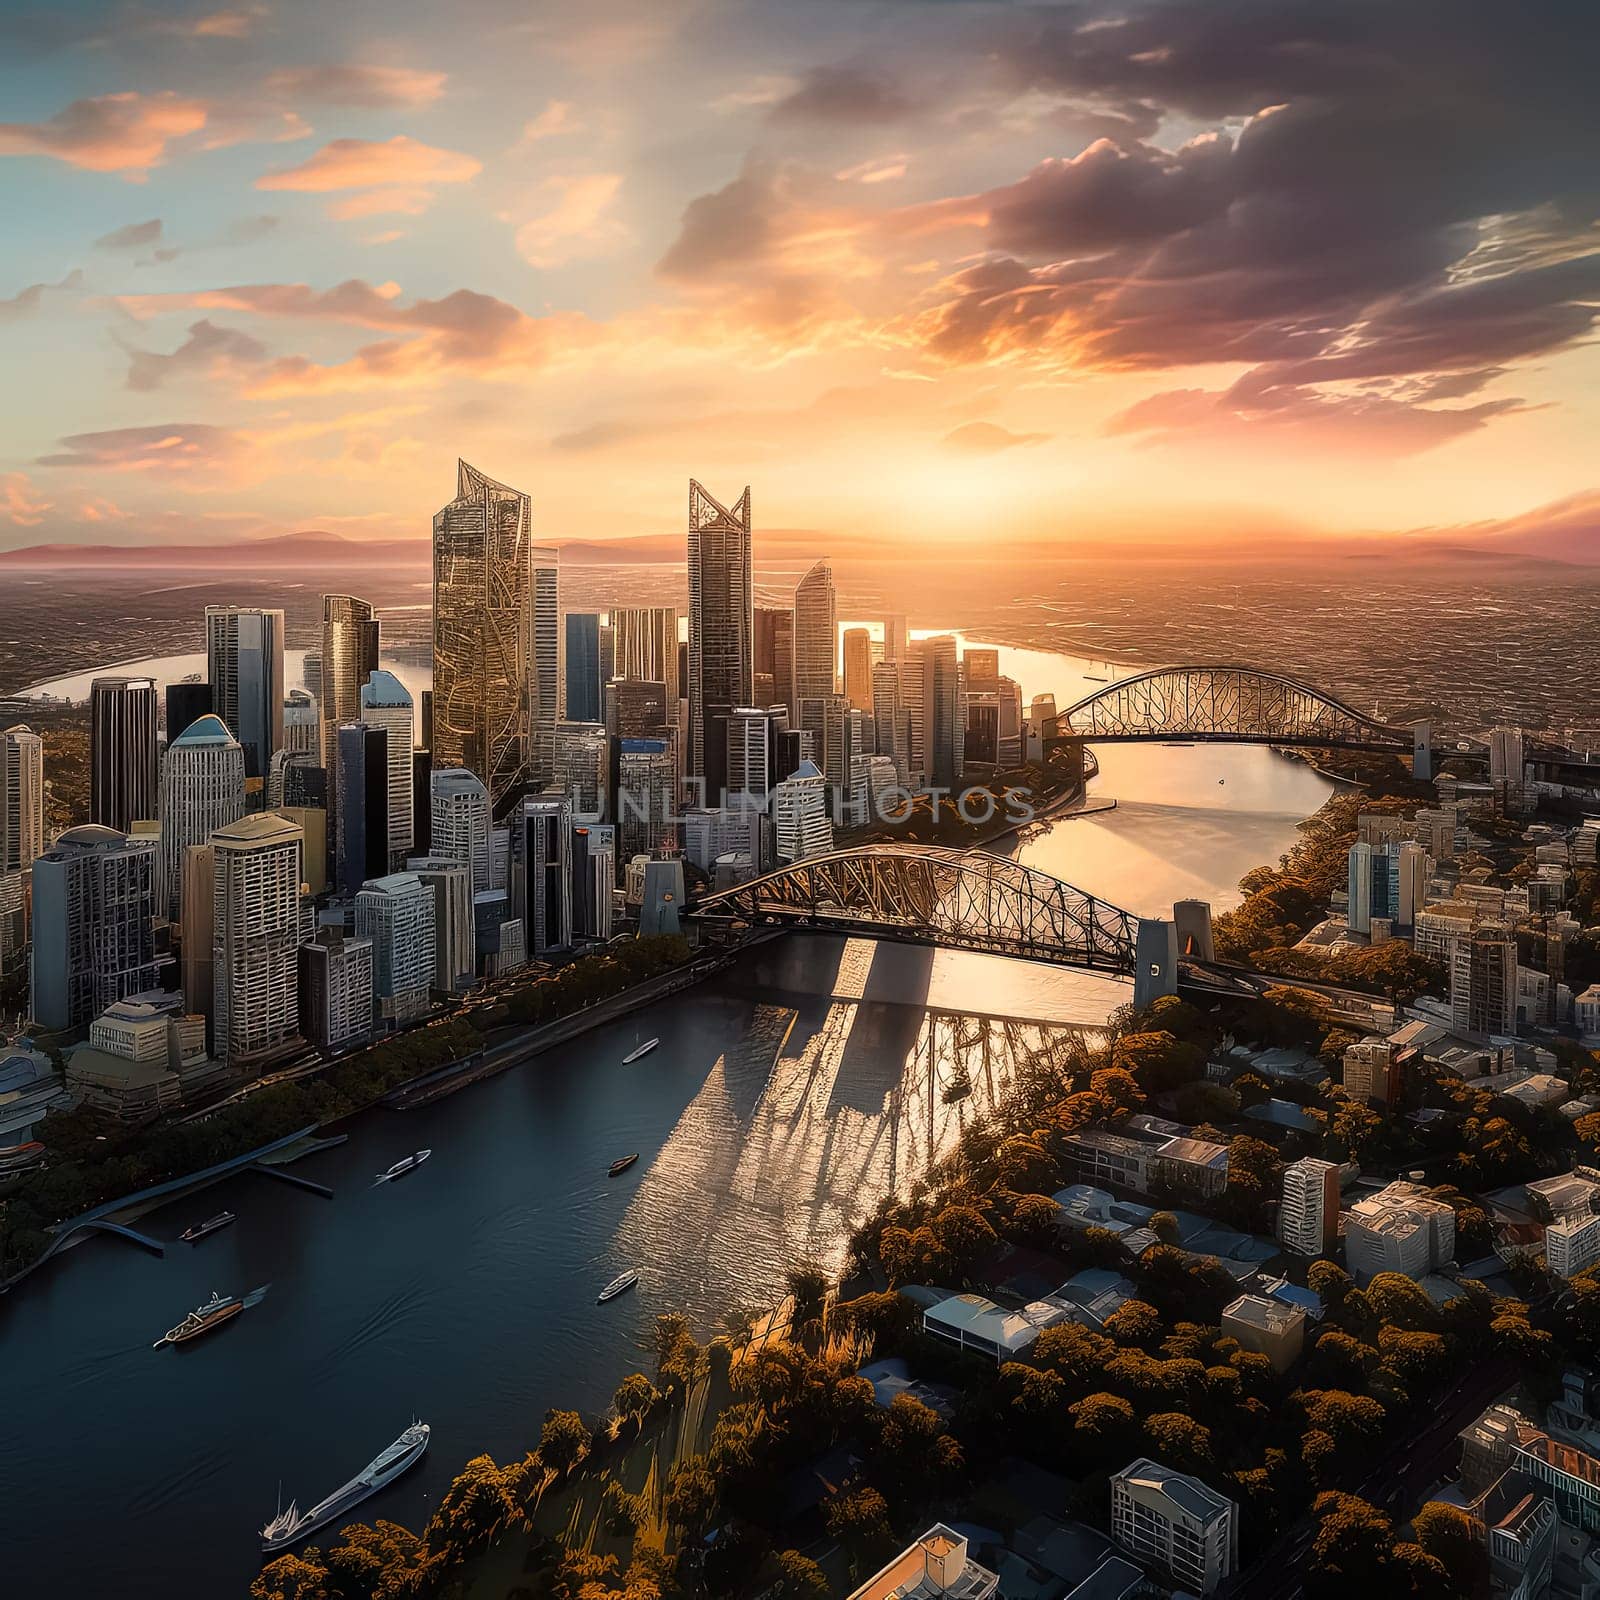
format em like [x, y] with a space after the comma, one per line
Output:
[1190, 1494]
[382, 688]
[392, 883]
[1259, 1311]
[260, 827]
[935, 1565]
[206, 730]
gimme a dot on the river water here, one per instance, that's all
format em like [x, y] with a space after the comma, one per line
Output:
[785, 1097]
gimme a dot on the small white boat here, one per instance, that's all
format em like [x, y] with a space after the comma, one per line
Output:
[643, 1050]
[291, 1526]
[404, 1165]
[618, 1285]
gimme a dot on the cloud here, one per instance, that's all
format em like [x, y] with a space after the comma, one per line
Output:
[352, 85]
[132, 236]
[576, 227]
[851, 96]
[208, 349]
[127, 133]
[366, 163]
[986, 439]
[381, 202]
[166, 448]
[19, 503]
[556, 119]
[26, 301]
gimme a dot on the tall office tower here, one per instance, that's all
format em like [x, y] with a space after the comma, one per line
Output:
[94, 901]
[891, 727]
[422, 801]
[721, 627]
[460, 817]
[839, 726]
[774, 650]
[608, 652]
[395, 912]
[582, 768]
[942, 711]
[336, 990]
[195, 912]
[583, 679]
[594, 878]
[124, 714]
[302, 726]
[647, 791]
[1409, 868]
[483, 659]
[244, 665]
[202, 789]
[278, 780]
[982, 663]
[646, 648]
[425, 719]
[311, 674]
[858, 668]
[256, 926]
[454, 947]
[1483, 979]
[1308, 1216]
[816, 638]
[1011, 752]
[980, 737]
[914, 673]
[544, 667]
[638, 708]
[350, 638]
[749, 756]
[21, 798]
[541, 876]
[801, 824]
[1505, 755]
[186, 702]
[361, 832]
[386, 704]
[896, 641]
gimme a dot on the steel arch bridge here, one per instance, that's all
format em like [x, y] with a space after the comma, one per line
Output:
[926, 894]
[1220, 704]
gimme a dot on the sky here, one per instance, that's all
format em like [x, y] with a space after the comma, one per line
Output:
[919, 271]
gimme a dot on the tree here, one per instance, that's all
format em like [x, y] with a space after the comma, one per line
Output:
[480, 1502]
[859, 1519]
[1179, 1441]
[799, 1578]
[1158, 1061]
[381, 1561]
[563, 1441]
[808, 1288]
[293, 1577]
[1450, 1536]
[634, 1400]
[691, 1499]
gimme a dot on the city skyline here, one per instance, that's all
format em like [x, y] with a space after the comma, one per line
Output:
[1067, 277]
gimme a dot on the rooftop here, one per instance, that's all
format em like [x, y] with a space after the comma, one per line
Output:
[1189, 1494]
[209, 729]
[935, 1565]
[1257, 1311]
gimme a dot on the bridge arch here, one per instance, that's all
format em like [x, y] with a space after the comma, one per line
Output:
[71, 1230]
[928, 894]
[1225, 704]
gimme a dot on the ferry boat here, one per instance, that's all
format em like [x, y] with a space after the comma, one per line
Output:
[618, 1285]
[210, 1225]
[404, 1165]
[622, 1163]
[293, 1525]
[643, 1050]
[203, 1319]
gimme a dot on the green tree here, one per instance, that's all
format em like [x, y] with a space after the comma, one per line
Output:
[859, 1519]
[563, 1441]
[1451, 1537]
[799, 1578]
[691, 1498]
[293, 1577]
[634, 1400]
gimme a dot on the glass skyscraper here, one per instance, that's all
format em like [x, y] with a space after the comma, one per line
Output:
[583, 666]
[721, 627]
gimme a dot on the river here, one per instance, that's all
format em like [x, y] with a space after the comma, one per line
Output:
[785, 1097]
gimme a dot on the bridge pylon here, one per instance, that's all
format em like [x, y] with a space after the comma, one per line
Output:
[1155, 960]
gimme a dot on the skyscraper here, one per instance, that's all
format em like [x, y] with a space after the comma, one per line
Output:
[583, 679]
[774, 651]
[914, 675]
[594, 877]
[386, 704]
[21, 798]
[582, 768]
[858, 668]
[94, 900]
[541, 875]
[336, 990]
[801, 824]
[196, 911]
[202, 789]
[124, 714]
[721, 626]
[647, 784]
[544, 679]
[750, 751]
[890, 723]
[460, 821]
[256, 930]
[895, 638]
[244, 666]
[395, 912]
[302, 729]
[646, 647]
[361, 836]
[186, 702]
[816, 640]
[454, 947]
[942, 711]
[483, 653]
[350, 638]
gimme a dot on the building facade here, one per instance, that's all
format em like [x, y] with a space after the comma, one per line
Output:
[581, 671]
[396, 913]
[454, 936]
[124, 724]
[386, 704]
[721, 625]
[1308, 1213]
[21, 798]
[244, 666]
[336, 990]
[460, 820]
[202, 789]
[1175, 1522]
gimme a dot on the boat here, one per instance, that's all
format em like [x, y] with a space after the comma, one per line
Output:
[404, 1165]
[618, 1285]
[210, 1225]
[622, 1163]
[643, 1050]
[203, 1319]
[1089, 677]
[290, 1526]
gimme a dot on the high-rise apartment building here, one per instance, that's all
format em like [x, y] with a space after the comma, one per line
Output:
[750, 753]
[483, 652]
[941, 691]
[302, 728]
[94, 899]
[1483, 980]
[202, 789]
[349, 654]
[1175, 1522]
[774, 652]
[721, 626]
[915, 671]
[582, 670]
[361, 836]
[544, 675]
[124, 720]
[583, 767]
[21, 798]
[858, 680]
[336, 990]
[816, 644]
[594, 879]
[647, 787]
[244, 666]
[460, 821]
[645, 647]
[454, 948]
[801, 822]
[257, 924]
[541, 874]
[386, 704]
[1308, 1213]
[396, 913]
